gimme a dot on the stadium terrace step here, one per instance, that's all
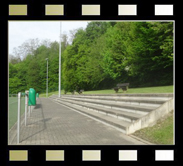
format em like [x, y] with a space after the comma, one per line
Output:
[122, 111]
[127, 116]
[154, 100]
[131, 101]
[124, 107]
[104, 118]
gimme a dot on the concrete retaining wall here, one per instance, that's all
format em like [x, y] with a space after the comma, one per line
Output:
[152, 117]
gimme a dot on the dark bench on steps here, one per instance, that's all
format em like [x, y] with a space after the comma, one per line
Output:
[81, 91]
[123, 86]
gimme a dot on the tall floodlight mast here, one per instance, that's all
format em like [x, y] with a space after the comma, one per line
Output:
[47, 79]
[59, 89]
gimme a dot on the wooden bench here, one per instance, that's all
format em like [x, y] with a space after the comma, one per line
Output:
[123, 86]
[81, 91]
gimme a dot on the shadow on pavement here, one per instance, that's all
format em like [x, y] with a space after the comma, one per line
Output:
[37, 106]
[43, 120]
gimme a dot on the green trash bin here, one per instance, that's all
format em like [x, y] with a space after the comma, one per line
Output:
[32, 97]
[37, 95]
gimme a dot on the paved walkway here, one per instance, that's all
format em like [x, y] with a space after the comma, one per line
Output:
[54, 124]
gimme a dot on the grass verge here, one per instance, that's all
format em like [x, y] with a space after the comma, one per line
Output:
[158, 89]
[50, 93]
[161, 133]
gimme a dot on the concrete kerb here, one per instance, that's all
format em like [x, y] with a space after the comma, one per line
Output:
[142, 140]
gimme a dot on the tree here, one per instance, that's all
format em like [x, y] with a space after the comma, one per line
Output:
[14, 85]
[95, 29]
[117, 51]
[90, 71]
[103, 54]
[72, 34]
[33, 79]
[28, 47]
[136, 51]
[12, 70]
[150, 40]
[14, 59]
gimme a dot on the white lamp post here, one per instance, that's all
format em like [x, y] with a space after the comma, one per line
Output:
[47, 79]
[59, 89]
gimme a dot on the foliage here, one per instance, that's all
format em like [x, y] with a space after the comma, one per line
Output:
[102, 55]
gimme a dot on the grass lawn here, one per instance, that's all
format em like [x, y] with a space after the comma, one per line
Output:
[158, 89]
[13, 108]
[161, 133]
[50, 93]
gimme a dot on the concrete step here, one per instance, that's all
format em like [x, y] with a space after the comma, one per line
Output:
[127, 116]
[145, 95]
[143, 110]
[121, 97]
[138, 98]
[116, 110]
[119, 123]
[133, 101]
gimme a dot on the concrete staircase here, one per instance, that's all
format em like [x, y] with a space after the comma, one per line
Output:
[129, 112]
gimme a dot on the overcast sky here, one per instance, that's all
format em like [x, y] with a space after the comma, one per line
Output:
[20, 31]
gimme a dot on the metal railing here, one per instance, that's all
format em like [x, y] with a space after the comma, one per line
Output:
[16, 109]
[18, 118]
[28, 112]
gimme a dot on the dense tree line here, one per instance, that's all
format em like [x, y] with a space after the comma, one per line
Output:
[103, 54]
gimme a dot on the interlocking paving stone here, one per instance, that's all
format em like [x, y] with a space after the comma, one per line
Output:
[53, 124]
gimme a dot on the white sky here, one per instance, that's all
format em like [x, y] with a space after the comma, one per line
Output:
[21, 31]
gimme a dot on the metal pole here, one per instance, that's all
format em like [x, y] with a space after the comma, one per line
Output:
[26, 105]
[47, 80]
[25, 109]
[18, 118]
[59, 89]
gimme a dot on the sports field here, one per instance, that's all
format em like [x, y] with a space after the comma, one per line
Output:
[13, 109]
